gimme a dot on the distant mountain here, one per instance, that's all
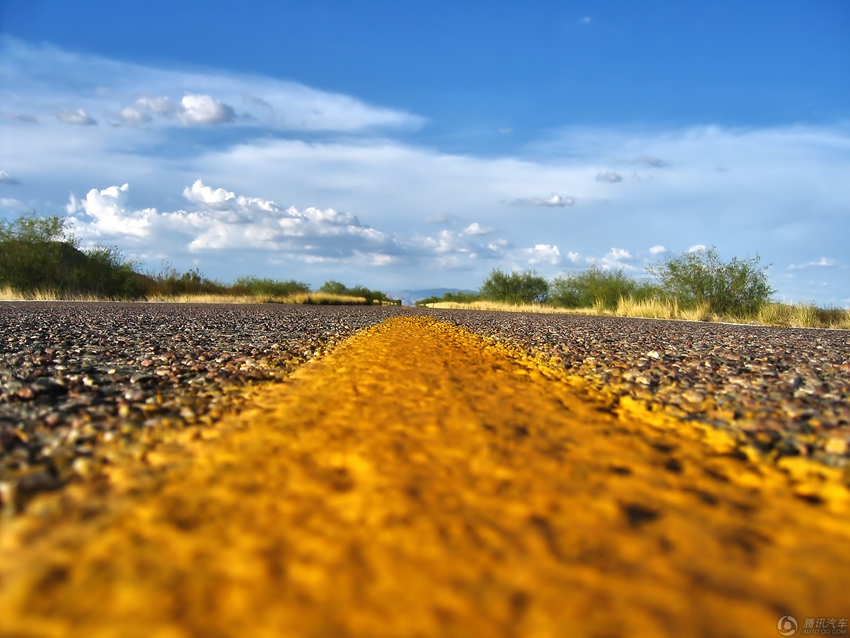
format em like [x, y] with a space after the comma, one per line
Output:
[409, 297]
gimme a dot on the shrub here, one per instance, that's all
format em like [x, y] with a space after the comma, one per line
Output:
[170, 282]
[599, 289]
[737, 287]
[333, 287]
[526, 287]
[39, 254]
[268, 287]
[457, 296]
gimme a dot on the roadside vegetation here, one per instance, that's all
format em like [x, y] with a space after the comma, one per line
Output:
[696, 286]
[40, 259]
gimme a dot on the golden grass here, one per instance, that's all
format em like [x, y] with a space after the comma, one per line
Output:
[301, 298]
[323, 298]
[318, 298]
[506, 307]
[796, 315]
[9, 294]
[662, 309]
[800, 315]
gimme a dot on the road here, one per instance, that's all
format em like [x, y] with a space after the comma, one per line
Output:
[421, 480]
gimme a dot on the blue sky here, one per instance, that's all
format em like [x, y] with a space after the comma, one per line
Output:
[413, 145]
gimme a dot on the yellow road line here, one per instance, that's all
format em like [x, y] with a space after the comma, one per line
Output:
[420, 482]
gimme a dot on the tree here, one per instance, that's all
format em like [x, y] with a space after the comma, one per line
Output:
[333, 287]
[696, 277]
[593, 286]
[526, 287]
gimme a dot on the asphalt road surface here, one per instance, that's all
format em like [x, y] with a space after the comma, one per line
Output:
[82, 384]
[422, 480]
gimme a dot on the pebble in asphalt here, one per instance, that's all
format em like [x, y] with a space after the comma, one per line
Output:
[81, 383]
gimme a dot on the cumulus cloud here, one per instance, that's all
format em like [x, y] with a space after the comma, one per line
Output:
[204, 109]
[696, 248]
[615, 258]
[7, 179]
[574, 257]
[823, 262]
[477, 229]
[108, 215]
[222, 220]
[79, 117]
[543, 254]
[160, 105]
[657, 250]
[193, 109]
[609, 176]
[652, 161]
[554, 200]
[133, 117]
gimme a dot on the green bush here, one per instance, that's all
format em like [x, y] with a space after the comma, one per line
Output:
[38, 253]
[736, 287]
[268, 287]
[457, 296]
[526, 287]
[333, 287]
[336, 288]
[170, 282]
[599, 288]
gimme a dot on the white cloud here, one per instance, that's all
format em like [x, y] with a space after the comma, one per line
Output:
[574, 257]
[615, 258]
[696, 248]
[584, 20]
[108, 214]
[7, 179]
[823, 262]
[11, 203]
[554, 200]
[46, 75]
[543, 254]
[506, 130]
[133, 117]
[609, 176]
[657, 250]
[204, 109]
[79, 117]
[160, 105]
[477, 229]
[222, 220]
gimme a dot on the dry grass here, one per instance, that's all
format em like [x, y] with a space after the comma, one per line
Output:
[8, 294]
[323, 298]
[300, 298]
[798, 316]
[506, 307]
[317, 298]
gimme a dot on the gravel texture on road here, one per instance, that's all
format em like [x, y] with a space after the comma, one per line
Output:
[785, 391]
[82, 383]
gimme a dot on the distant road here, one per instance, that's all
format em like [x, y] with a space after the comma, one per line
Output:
[421, 480]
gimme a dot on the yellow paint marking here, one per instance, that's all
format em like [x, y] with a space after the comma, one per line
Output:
[422, 482]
